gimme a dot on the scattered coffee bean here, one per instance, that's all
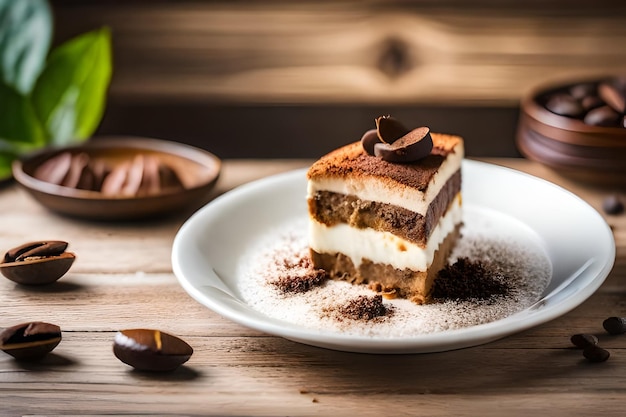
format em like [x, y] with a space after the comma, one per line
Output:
[612, 205]
[595, 353]
[151, 350]
[28, 341]
[37, 263]
[615, 325]
[582, 340]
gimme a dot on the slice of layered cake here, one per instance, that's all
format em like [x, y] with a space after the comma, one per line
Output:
[386, 211]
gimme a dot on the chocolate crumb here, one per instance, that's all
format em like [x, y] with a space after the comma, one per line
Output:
[466, 280]
[300, 283]
[364, 308]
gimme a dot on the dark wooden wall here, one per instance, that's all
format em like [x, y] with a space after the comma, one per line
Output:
[296, 79]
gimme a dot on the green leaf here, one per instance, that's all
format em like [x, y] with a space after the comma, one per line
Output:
[6, 159]
[70, 95]
[18, 121]
[25, 33]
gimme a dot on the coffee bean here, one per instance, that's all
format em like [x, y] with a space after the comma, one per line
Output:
[591, 102]
[565, 105]
[614, 96]
[615, 325]
[612, 205]
[580, 91]
[601, 103]
[54, 169]
[582, 340]
[29, 341]
[151, 350]
[602, 116]
[37, 263]
[595, 353]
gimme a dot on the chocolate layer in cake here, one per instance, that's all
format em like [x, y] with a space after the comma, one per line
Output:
[330, 208]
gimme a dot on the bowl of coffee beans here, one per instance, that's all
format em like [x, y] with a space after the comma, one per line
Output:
[120, 178]
[578, 128]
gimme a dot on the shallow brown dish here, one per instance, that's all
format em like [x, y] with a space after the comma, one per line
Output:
[594, 154]
[197, 169]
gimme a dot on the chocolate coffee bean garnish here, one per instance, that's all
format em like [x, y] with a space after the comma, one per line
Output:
[582, 340]
[389, 129]
[151, 350]
[395, 143]
[30, 340]
[615, 325]
[137, 176]
[369, 139]
[413, 146]
[37, 263]
[612, 205]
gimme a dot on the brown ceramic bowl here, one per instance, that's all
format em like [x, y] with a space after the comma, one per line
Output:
[594, 154]
[197, 170]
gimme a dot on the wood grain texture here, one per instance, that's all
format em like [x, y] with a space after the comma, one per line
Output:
[123, 279]
[350, 51]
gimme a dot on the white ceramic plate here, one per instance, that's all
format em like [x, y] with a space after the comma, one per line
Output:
[577, 240]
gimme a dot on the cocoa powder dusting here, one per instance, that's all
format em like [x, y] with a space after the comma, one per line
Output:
[297, 275]
[467, 280]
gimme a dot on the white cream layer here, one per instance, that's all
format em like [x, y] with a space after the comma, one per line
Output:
[373, 189]
[383, 247]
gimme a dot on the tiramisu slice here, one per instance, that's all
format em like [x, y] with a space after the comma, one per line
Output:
[386, 211]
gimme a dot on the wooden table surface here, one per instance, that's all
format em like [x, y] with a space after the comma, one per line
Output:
[123, 279]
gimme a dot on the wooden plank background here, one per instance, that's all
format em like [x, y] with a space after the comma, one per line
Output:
[278, 70]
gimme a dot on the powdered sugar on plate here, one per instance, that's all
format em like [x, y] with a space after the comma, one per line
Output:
[276, 279]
